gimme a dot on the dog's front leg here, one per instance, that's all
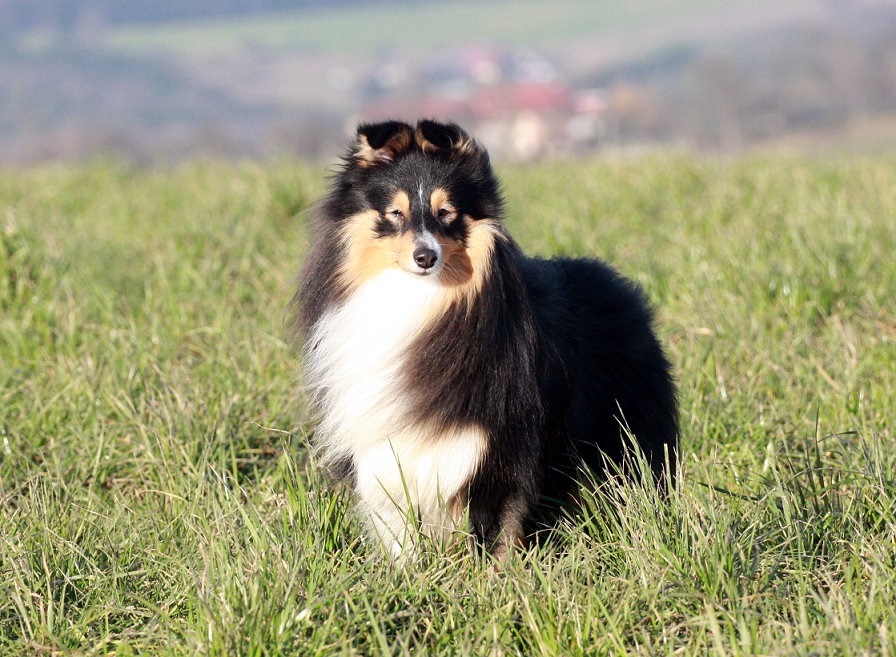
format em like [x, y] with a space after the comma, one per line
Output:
[497, 525]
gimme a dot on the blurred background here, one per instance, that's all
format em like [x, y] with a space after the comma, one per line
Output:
[159, 81]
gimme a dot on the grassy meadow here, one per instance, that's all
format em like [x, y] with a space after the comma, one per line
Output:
[156, 495]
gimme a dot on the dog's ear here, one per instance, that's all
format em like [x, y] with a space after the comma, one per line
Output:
[379, 143]
[433, 137]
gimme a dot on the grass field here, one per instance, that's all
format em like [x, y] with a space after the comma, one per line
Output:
[155, 494]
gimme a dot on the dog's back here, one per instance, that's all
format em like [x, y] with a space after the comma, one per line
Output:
[618, 381]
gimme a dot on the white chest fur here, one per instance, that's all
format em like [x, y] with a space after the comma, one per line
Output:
[356, 353]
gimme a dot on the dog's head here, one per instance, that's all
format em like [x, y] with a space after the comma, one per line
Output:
[420, 199]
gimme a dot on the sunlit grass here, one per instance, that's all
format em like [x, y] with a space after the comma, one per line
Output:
[155, 495]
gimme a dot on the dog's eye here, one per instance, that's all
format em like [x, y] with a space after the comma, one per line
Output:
[446, 214]
[395, 214]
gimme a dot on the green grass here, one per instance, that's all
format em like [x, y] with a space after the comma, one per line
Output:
[155, 494]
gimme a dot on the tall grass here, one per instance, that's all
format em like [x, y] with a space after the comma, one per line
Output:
[155, 492]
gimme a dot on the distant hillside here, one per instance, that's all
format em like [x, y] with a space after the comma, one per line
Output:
[346, 26]
[17, 16]
[164, 80]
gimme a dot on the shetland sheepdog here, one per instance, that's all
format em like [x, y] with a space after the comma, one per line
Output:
[461, 386]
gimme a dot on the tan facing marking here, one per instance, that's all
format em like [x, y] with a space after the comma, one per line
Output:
[457, 269]
[400, 201]
[366, 155]
[463, 273]
[465, 268]
[440, 200]
[366, 254]
[425, 145]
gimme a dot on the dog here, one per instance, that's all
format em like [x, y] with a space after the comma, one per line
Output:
[462, 386]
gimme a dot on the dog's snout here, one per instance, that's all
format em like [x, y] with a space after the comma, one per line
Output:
[425, 257]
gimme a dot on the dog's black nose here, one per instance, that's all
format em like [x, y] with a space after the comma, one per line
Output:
[425, 257]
